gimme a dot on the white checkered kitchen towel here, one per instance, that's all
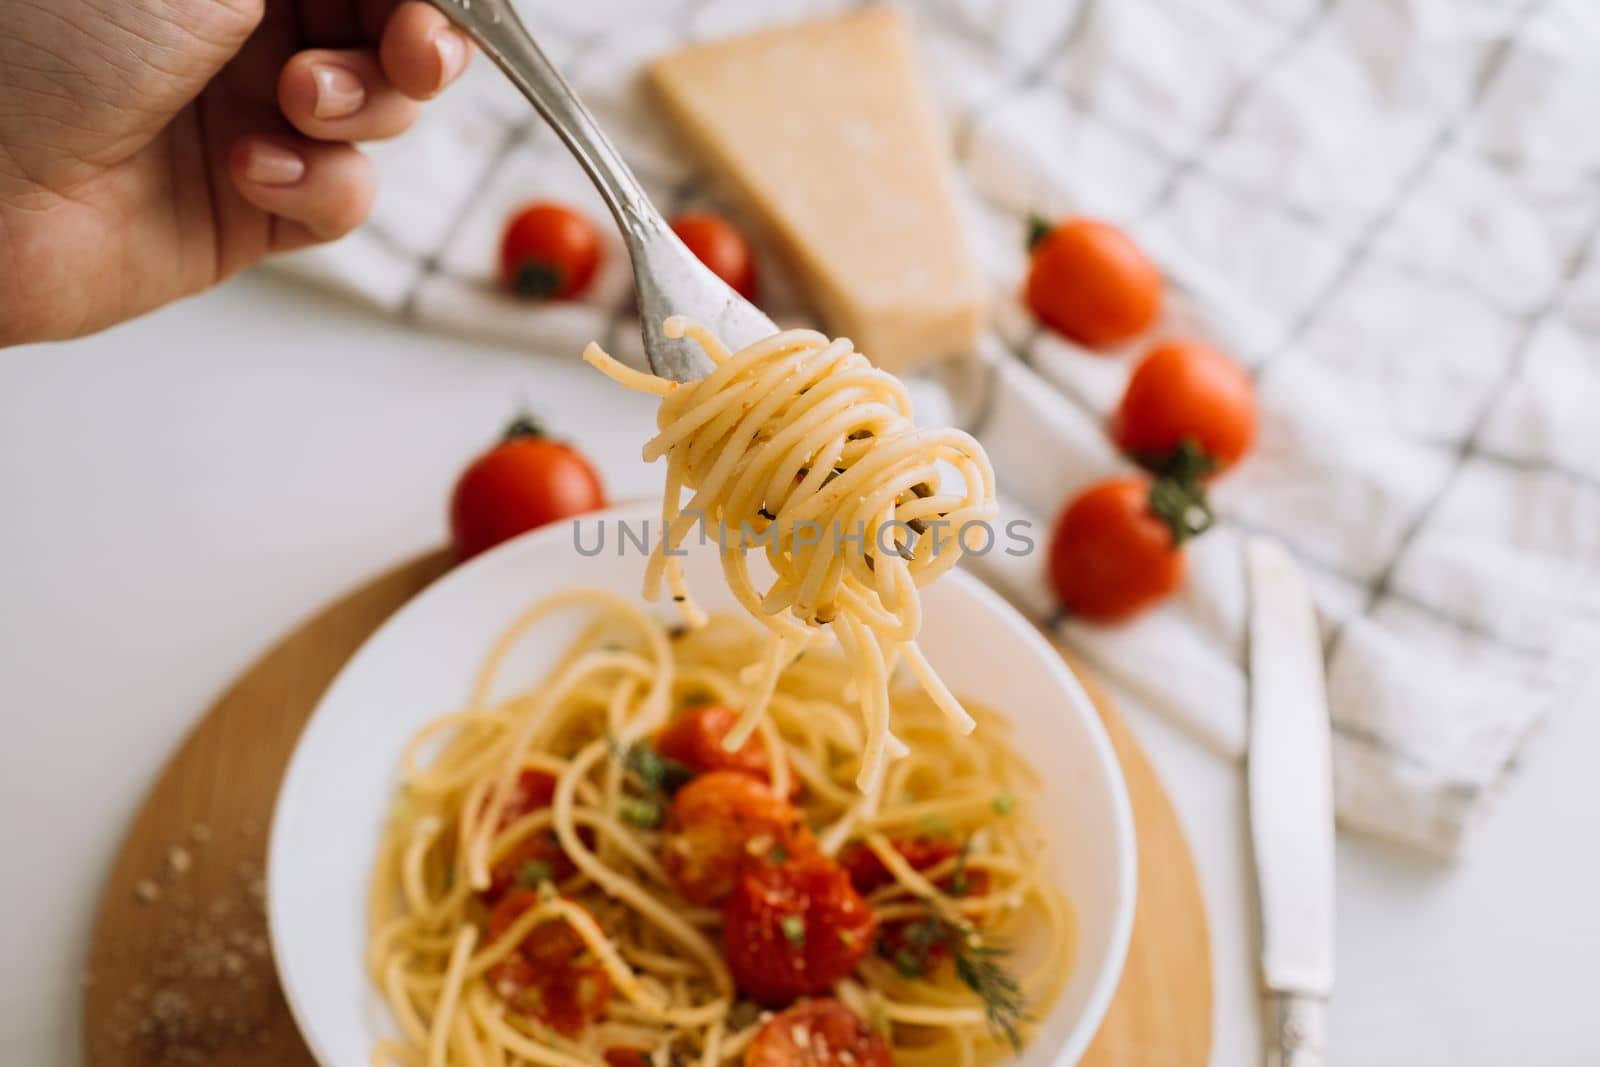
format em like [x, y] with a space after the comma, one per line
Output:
[1387, 209]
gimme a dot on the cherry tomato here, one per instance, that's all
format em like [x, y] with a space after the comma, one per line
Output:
[867, 871]
[722, 822]
[1111, 556]
[818, 1033]
[525, 481]
[532, 791]
[794, 929]
[1186, 390]
[694, 739]
[1090, 281]
[549, 250]
[626, 1057]
[718, 244]
[551, 976]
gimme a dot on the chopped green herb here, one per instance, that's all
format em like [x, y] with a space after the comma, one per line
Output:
[794, 930]
[640, 812]
[534, 873]
[779, 854]
[657, 773]
[934, 826]
[908, 964]
[959, 884]
[1004, 804]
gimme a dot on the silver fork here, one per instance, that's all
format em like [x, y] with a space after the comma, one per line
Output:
[668, 278]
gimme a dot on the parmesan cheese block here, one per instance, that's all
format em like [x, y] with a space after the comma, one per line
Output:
[826, 129]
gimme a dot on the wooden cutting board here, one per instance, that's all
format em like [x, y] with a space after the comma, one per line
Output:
[179, 971]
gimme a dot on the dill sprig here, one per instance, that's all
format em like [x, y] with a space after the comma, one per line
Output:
[980, 970]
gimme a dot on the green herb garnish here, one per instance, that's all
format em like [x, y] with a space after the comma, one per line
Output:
[1004, 804]
[794, 930]
[978, 966]
[655, 772]
[534, 873]
[641, 812]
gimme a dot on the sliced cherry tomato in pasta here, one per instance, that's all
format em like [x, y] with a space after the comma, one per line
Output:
[627, 1057]
[533, 790]
[551, 976]
[795, 929]
[818, 1033]
[867, 871]
[723, 822]
[534, 860]
[538, 857]
[694, 739]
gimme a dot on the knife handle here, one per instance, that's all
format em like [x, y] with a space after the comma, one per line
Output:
[1296, 1031]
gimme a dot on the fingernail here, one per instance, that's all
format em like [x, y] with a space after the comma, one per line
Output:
[339, 92]
[272, 164]
[452, 55]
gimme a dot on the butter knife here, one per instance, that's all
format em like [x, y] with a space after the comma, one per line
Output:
[1290, 775]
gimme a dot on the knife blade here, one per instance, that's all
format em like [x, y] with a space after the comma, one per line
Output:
[1290, 777]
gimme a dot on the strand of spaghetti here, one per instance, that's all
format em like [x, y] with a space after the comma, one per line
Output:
[519, 1044]
[655, 701]
[454, 975]
[400, 1004]
[937, 691]
[618, 886]
[911, 878]
[777, 760]
[778, 655]
[461, 1040]
[422, 839]
[389, 1053]
[626, 375]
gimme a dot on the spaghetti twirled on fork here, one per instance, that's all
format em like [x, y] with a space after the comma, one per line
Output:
[798, 444]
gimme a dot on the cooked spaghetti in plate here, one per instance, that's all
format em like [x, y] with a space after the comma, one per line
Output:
[581, 871]
[469, 905]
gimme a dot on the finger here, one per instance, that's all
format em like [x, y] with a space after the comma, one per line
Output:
[326, 188]
[342, 96]
[421, 52]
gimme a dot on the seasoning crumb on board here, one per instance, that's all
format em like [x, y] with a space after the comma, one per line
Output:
[206, 981]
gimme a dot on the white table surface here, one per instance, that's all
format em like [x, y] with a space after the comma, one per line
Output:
[177, 493]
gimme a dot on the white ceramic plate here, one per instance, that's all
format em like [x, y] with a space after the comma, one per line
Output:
[420, 664]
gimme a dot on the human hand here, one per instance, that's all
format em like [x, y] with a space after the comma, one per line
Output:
[151, 148]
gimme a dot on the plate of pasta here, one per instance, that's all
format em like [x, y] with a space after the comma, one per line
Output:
[514, 833]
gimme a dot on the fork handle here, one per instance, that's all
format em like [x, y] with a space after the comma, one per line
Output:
[497, 29]
[1296, 1031]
